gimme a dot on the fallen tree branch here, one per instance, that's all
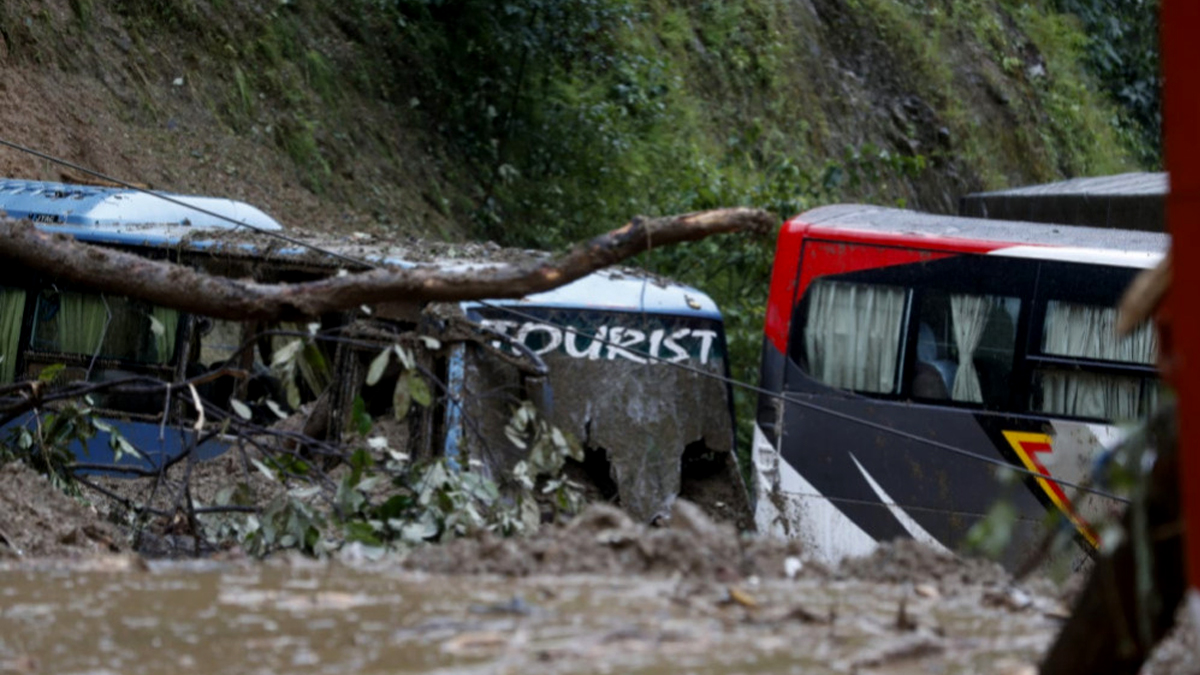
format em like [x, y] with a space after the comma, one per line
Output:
[183, 288]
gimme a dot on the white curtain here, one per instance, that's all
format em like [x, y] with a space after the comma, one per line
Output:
[852, 335]
[969, 314]
[1089, 332]
[1110, 397]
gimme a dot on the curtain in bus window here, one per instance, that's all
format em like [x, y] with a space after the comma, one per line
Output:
[969, 314]
[12, 305]
[1080, 394]
[852, 335]
[1089, 332]
[81, 322]
[164, 344]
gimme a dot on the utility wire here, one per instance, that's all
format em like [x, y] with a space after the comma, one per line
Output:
[529, 317]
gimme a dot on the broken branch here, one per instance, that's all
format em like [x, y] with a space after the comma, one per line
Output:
[185, 289]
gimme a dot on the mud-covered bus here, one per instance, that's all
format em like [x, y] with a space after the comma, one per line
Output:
[908, 357]
[612, 334]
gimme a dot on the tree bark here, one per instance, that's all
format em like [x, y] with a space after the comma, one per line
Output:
[183, 288]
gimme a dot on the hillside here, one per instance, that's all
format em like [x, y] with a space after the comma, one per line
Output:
[536, 122]
[360, 115]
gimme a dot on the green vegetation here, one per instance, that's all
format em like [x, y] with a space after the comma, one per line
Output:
[573, 115]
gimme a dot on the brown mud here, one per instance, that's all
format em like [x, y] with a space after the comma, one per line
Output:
[599, 594]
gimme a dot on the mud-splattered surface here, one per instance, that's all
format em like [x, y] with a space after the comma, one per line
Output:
[39, 521]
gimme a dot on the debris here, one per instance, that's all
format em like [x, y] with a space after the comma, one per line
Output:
[927, 591]
[738, 596]
[1011, 598]
[905, 621]
[792, 566]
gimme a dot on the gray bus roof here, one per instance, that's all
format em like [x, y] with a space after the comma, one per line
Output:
[884, 220]
[1132, 201]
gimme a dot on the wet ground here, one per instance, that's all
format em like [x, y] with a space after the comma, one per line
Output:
[121, 615]
[599, 594]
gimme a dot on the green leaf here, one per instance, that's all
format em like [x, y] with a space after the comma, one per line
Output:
[263, 468]
[50, 372]
[405, 356]
[360, 420]
[292, 391]
[277, 409]
[419, 391]
[402, 396]
[362, 533]
[287, 353]
[378, 365]
[242, 410]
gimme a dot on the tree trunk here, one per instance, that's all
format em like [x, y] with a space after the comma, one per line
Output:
[185, 289]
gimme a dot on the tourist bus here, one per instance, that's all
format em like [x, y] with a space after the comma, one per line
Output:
[610, 337]
[908, 358]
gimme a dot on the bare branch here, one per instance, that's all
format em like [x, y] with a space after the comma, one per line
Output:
[188, 290]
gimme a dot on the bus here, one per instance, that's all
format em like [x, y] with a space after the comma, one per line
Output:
[909, 358]
[599, 345]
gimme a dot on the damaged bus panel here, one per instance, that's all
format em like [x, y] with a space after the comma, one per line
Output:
[909, 357]
[631, 364]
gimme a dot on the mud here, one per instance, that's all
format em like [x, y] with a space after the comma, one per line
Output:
[602, 593]
[39, 521]
[605, 540]
[325, 618]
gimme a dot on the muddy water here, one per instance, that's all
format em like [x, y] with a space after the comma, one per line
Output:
[119, 617]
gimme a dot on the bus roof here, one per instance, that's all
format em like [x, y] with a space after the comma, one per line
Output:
[620, 290]
[998, 237]
[121, 215]
[1133, 201]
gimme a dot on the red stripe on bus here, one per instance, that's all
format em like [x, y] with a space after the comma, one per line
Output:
[826, 253]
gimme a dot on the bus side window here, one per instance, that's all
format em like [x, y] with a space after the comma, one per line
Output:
[853, 334]
[965, 346]
[1087, 332]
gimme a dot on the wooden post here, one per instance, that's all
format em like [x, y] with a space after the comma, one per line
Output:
[1180, 25]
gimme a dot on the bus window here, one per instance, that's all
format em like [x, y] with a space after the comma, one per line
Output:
[965, 346]
[12, 307]
[1087, 332]
[112, 327]
[853, 334]
[1076, 393]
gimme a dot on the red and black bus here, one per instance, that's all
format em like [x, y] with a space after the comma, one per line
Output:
[910, 357]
